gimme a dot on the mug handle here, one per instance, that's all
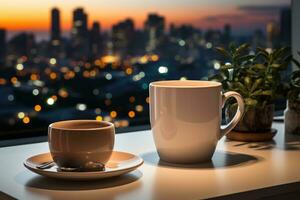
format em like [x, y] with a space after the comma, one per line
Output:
[238, 115]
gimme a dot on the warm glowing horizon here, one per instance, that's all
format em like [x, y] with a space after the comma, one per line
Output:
[41, 21]
[35, 16]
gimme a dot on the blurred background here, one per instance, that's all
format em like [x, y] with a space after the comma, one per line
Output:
[95, 59]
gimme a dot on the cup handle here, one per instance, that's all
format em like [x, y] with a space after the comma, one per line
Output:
[238, 115]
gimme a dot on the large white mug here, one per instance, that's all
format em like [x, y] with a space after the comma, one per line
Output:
[186, 118]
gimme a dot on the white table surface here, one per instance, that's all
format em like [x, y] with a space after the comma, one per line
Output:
[236, 167]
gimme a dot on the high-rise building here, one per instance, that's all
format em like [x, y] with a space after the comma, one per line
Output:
[183, 32]
[122, 36]
[213, 37]
[56, 46]
[258, 39]
[55, 26]
[79, 29]
[2, 46]
[154, 29]
[23, 44]
[95, 40]
[226, 37]
[80, 40]
[285, 26]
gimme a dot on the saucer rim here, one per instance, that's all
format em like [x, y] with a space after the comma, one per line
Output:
[32, 168]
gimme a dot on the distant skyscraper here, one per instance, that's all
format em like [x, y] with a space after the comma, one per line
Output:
[2, 46]
[183, 32]
[80, 40]
[23, 44]
[173, 30]
[122, 36]
[95, 40]
[56, 47]
[258, 39]
[213, 36]
[226, 37]
[79, 29]
[55, 26]
[154, 28]
[285, 26]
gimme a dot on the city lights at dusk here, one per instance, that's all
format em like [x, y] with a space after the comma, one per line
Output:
[95, 59]
[243, 15]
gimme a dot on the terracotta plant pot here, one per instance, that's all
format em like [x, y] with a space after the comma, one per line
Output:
[292, 117]
[255, 120]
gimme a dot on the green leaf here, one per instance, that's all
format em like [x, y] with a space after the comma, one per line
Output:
[245, 58]
[242, 48]
[257, 92]
[262, 52]
[266, 93]
[284, 55]
[256, 77]
[250, 101]
[269, 78]
[222, 51]
[226, 67]
[251, 72]
[283, 66]
[288, 58]
[280, 53]
[275, 65]
[276, 52]
[256, 84]
[232, 48]
[239, 84]
[260, 92]
[247, 81]
[259, 66]
[241, 88]
[295, 79]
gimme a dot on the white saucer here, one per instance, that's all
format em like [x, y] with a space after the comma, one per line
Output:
[118, 164]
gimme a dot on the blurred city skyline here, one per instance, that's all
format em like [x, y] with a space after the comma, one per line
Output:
[62, 61]
[243, 16]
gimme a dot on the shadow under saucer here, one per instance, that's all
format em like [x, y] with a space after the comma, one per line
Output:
[41, 182]
[220, 159]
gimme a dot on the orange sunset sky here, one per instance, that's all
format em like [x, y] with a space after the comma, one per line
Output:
[34, 15]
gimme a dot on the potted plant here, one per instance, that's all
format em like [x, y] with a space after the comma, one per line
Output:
[256, 76]
[292, 112]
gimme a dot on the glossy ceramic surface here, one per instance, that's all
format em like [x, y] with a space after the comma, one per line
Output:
[186, 118]
[76, 143]
[118, 164]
